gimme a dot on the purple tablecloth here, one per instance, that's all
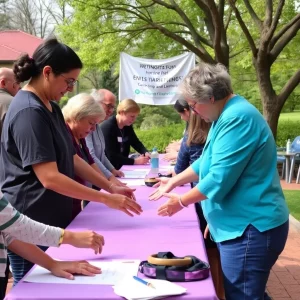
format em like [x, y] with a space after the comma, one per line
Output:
[126, 238]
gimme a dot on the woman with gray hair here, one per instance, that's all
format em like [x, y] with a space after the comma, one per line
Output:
[82, 113]
[239, 187]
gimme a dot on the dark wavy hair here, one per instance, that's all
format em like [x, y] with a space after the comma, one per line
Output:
[181, 105]
[60, 57]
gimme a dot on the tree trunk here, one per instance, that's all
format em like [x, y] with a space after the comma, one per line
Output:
[269, 99]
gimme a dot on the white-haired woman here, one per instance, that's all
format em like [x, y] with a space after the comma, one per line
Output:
[239, 186]
[82, 113]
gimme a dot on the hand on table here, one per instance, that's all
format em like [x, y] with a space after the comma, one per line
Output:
[164, 186]
[171, 207]
[170, 156]
[123, 190]
[123, 203]
[117, 173]
[66, 269]
[84, 239]
[116, 181]
[141, 160]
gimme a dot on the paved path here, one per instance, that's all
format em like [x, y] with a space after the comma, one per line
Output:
[284, 280]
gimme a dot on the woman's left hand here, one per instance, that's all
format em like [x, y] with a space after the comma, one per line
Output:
[171, 207]
[123, 190]
[116, 181]
[118, 173]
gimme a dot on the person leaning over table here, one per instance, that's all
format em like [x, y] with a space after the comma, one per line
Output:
[239, 186]
[38, 158]
[95, 139]
[119, 135]
[18, 230]
[183, 110]
[82, 113]
[190, 150]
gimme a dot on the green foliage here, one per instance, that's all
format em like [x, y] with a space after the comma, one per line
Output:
[292, 200]
[154, 121]
[166, 111]
[160, 137]
[287, 130]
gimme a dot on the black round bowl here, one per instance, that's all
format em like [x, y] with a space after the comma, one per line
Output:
[150, 181]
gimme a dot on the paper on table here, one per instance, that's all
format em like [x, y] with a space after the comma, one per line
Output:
[112, 273]
[132, 289]
[133, 182]
[135, 173]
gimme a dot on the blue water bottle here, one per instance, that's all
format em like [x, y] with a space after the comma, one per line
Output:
[154, 161]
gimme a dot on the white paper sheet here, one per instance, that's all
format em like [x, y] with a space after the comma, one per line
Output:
[112, 273]
[135, 173]
[132, 289]
[133, 182]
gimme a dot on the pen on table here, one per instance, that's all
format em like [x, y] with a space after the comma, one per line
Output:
[143, 281]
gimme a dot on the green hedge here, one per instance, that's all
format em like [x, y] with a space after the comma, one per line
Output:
[287, 130]
[161, 137]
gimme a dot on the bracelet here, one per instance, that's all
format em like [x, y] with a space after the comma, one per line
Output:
[110, 186]
[181, 204]
[61, 237]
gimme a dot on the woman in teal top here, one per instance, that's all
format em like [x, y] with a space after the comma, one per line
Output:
[239, 186]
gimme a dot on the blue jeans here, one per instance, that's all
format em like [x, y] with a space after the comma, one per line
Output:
[20, 266]
[247, 261]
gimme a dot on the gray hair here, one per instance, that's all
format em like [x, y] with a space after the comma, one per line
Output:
[206, 81]
[97, 95]
[81, 106]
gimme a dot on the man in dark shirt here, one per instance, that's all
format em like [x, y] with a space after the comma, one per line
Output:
[8, 88]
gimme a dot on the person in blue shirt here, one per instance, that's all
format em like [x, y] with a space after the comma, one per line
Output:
[239, 186]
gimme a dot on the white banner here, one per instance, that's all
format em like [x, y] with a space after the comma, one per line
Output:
[153, 81]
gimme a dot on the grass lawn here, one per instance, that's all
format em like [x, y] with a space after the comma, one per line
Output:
[293, 116]
[293, 201]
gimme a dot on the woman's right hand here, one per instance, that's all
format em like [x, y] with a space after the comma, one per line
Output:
[84, 239]
[123, 203]
[141, 160]
[164, 186]
[66, 269]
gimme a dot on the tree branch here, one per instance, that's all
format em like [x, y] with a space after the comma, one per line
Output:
[244, 28]
[289, 87]
[229, 19]
[268, 13]
[208, 18]
[285, 39]
[284, 30]
[199, 51]
[253, 14]
[219, 26]
[186, 20]
[275, 20]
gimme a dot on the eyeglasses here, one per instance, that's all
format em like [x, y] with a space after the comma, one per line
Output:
[69, 81]
[192, 107]
[109, 106]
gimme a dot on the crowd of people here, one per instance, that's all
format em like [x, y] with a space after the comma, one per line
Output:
[54, 162]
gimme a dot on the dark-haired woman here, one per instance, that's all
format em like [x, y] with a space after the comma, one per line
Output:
[37, 156]
[183, 110]
[190, 150]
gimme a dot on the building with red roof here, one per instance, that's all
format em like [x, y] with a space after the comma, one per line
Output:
[15, 42]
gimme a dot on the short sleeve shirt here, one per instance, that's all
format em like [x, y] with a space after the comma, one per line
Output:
[31, 135]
